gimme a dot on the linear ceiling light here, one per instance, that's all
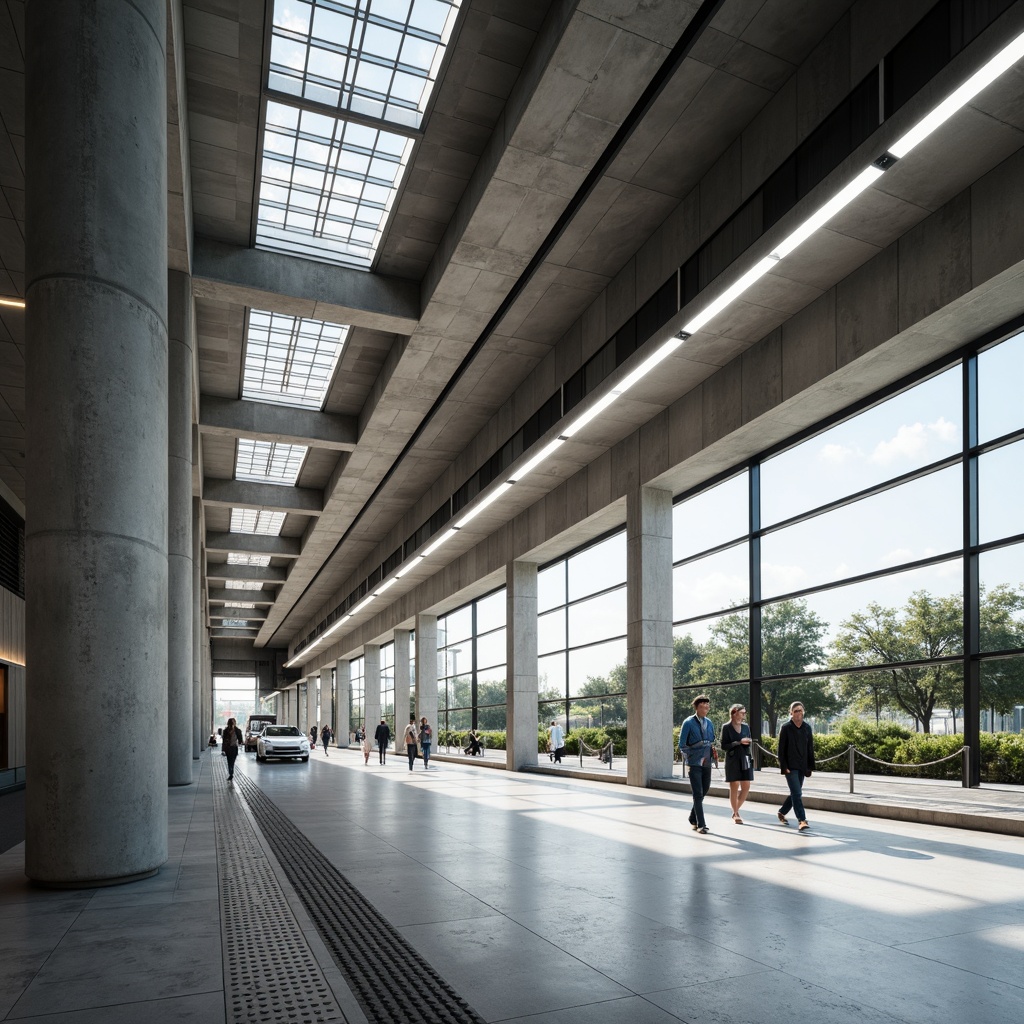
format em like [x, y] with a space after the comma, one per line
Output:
[386, 585]
[484, 503]
[540, 457]
[14, 303]
[362, 604]
[443, 539]
[984, 76]
[412, 565]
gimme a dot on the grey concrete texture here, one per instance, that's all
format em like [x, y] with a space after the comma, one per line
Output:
[521, 673]
[259, 420]
[426, 668]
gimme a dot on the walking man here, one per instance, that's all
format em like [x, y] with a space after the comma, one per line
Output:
[326, 735]
[557, 735]
[412, 738]
[697, 746]
[796, 759]
[383, 738]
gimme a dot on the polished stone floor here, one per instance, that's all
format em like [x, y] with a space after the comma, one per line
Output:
[542, 899]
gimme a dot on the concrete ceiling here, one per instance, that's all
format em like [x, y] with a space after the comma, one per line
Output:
[459, 310]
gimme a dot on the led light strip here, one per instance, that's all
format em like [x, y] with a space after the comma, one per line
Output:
[14, 303]
[984, 76]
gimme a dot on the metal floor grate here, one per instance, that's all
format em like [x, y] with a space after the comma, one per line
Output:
[270, 974]
[392, 983]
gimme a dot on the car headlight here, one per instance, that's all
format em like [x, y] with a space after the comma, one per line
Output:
[305, 745]
[268, 746]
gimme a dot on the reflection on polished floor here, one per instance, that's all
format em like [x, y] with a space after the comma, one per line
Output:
[543, 900]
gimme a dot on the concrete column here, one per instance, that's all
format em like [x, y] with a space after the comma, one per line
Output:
[402, 685]
[302, 696]
[312, 696]
[343, 699]
[371, 686]
[199, 733]
[180, 738]
[521, 665]
[96, 467]
[326, 698]
[648, 634]
[426, 672]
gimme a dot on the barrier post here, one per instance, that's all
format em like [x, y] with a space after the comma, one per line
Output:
[966, 771]
[852, 753]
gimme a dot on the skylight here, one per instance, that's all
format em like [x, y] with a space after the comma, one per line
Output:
[378, 58]
[238, 604]
[236, 623]
[242, 585]
[251, 520]
[237, 558]
[326, 185]
[269, 462]
[290, 360]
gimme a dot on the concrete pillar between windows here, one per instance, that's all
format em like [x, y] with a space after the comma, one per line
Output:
[312, 697]
[371, 686]
[343, 697]
[96, 467]
[521, 669]
[426, 673]
[326, 698]
[180, 738]
[402, 686]
[200, 734]
[648, 634]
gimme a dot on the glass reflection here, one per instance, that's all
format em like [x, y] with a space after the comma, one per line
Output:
[710, 518]
[910, 430]
[917, 520]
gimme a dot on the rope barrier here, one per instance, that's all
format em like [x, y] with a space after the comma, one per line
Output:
[915, 764]
[605, 753]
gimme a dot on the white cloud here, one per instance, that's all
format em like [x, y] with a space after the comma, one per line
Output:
[837, 454]
[782, 579]
[912, 440]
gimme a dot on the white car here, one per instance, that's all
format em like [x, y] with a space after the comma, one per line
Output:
[282, 741]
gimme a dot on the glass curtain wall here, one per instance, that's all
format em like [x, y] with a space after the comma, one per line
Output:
[835, 571]
[471, 690]
[581, 632]
[357, 693]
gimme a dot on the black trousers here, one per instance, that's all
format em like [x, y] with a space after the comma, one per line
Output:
[232, 754]
[383, 748]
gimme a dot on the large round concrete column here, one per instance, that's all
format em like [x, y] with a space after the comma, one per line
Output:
[180, 583]
[199, 739]
[96, 474]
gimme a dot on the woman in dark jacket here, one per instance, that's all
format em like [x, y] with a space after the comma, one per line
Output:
[232, 738]
[739, 765]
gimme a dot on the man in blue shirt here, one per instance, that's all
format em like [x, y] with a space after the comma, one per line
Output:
[697, 746]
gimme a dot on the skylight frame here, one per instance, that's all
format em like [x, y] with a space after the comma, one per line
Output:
[241, 558]
[256, 521]
[327, 185]
[243, 585]
[290, 360]
[373, 58]
[269, 462]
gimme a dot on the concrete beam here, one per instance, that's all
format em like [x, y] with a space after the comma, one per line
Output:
[268, 573]
[253, 544]
[228, 417]
[232, 632]
[257, 597]
[249, 614]
[265, 497]
[301, 287]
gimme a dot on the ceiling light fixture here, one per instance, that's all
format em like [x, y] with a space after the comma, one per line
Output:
[984, 76]
[412, 565]
[13, 303]
[443, 539]
[386, 585]
[540, 457]
[484, 503]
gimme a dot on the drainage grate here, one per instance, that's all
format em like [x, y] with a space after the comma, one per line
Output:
[391, 981]
[270, 974]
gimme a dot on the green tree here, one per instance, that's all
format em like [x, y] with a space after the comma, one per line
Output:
[791, 637]
[1002, 680]
[604, 700]
[925, 629]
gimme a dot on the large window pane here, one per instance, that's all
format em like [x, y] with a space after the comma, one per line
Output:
[596, 662]
[551, 587]
[713, 650]
[490, 686]
[490, 611]
[1000, 371]
[916, 520]
[551, 631]
[490, 649]
[598, 567]
[458, 625]
[551, 676]
[1001, 574]
[710, 518]
[910, 430]
[712, 583]
[1001, 493]
[598, 619]
[1002, 695]
[903, 617]
[716, 628]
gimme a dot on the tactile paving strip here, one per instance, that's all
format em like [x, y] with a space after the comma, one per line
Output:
[392, 983]
[270, 974]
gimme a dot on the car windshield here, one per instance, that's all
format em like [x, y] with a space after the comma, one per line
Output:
[281, 730]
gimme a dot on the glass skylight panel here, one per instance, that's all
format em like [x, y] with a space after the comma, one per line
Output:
[290, 360]
[269, 462]
[378, 58]
[237, 558]
[243, 585]
[251, 520]
[236, 623]
[326, 185]
[238, 604]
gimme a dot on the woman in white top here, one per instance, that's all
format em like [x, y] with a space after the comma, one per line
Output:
[367, 746]
[412, 738]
